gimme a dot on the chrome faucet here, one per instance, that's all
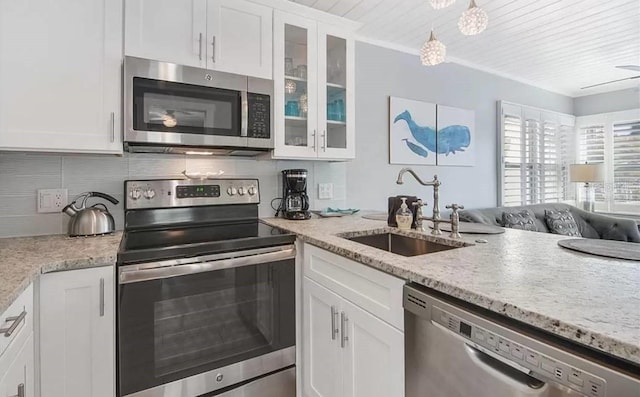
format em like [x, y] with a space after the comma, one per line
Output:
[435, 218]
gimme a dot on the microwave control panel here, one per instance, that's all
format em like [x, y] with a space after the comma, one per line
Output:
[259, 116]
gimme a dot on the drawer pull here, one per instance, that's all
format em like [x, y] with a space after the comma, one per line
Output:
[16, 321]
[20, 391]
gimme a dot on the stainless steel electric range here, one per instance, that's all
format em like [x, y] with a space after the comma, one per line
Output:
[205, 303]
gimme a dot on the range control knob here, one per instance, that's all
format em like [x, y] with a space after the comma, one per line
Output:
[251, 191]
[241, 191]
[232, 191]
[149, 193]
[135, 194]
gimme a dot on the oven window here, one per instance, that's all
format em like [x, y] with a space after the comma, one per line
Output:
[185, 108]
[177, 327]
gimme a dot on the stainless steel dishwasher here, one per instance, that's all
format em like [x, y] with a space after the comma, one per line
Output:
[455, 351]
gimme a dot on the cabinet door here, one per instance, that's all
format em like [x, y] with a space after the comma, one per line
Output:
[240, 37]
[336, 103]
[60, 73]
[167, 30]
[321, 341]
[373, 360]
[77, 333]
[18, 377]
[295, 75]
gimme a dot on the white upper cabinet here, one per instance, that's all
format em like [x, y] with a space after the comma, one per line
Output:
[60, 75]
[228, 35]
[167, 30]
[240, 37]
[314, 96]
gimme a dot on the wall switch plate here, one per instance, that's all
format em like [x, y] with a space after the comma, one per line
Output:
[51, 200]
[325, 191]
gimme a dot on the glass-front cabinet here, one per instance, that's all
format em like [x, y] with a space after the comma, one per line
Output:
[313, 73]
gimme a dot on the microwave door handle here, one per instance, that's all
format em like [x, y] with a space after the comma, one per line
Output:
[244, 117]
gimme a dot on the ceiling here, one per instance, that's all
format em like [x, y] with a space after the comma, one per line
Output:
[560, 45]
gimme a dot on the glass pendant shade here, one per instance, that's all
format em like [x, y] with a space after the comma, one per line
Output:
[440, 4]
[290, 86]
[473, 21]
[433, 51]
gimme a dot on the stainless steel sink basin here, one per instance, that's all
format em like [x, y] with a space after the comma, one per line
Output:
[401, 245]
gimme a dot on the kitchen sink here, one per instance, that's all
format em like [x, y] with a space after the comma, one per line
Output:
[402, 245]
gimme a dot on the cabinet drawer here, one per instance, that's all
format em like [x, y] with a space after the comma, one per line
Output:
[17, 321]
[373, 290]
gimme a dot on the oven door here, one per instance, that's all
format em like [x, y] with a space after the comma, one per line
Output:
[194, 326]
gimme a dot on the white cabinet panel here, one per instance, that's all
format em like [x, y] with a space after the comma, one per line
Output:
[240, 37]
[18, 377]
[167, 30]
[321, 353]
[77, 333]
[18, 316]
[374, 360]
[60, 68]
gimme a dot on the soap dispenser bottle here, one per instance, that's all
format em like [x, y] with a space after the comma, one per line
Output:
[404, 216]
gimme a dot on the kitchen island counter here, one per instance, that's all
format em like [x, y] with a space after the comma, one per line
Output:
[23, 258]
[590, 300]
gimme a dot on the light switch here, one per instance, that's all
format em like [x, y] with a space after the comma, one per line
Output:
[325, 191]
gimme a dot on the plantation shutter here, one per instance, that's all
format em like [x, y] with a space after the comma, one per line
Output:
[512, 148]
[626, 162]
[533, 157]
[551, 166]
[592, 151]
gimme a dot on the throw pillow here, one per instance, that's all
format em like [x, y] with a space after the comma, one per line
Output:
[522, 220]
[561, 222]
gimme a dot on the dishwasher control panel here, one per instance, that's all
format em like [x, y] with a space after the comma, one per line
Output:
[540, 364]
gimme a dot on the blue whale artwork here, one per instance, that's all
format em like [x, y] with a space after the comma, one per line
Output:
[448, 140]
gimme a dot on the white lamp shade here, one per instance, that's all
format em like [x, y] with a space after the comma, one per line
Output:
[586, 172]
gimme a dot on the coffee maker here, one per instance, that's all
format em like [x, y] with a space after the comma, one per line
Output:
[295, 202]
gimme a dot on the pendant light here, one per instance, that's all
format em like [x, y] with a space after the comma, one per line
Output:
[433, 51]
[473, 21]
[440, 4]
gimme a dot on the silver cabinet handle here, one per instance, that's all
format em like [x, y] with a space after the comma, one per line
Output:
[344, 321]
[324, 140]
[16, 321]
[334, 326]
[113, 127]
[101, 297]
[20, 391]
[313, 140]
[200, 46]
[213, 47]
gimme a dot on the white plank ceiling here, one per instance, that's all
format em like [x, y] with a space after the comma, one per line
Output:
[561, 45]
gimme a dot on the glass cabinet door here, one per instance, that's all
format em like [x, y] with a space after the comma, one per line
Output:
[335, 94]
[296, 86]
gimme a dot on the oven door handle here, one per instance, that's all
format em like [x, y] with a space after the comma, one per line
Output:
[167, 269]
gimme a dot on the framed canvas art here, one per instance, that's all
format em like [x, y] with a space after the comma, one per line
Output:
[456, 136]
[412, 132]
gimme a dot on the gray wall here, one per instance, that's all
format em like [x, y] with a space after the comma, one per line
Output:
[381, 73]
[607, 102]
[21, 174]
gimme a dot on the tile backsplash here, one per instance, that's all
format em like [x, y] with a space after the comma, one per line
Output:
[22, 174]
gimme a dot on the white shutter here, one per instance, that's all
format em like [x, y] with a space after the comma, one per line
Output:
[512, 149]
[591, 150]
[626, 163]
[533, 160]
[551, 168]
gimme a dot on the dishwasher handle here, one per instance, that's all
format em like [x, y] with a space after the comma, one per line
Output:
[492, 365]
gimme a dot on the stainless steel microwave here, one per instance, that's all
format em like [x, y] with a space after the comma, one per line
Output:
[171, 108]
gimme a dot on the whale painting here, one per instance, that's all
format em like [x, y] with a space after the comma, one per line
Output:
[422, 133]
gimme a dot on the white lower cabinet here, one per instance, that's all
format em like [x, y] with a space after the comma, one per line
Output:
[77, 333]
[346, 350]
[18, 378]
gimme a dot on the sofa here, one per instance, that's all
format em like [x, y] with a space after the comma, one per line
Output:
[590, 225]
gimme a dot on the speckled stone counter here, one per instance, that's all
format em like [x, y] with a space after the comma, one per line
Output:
[591, 300]
[23, 258]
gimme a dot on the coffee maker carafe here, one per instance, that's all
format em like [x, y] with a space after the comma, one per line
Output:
[295, 202]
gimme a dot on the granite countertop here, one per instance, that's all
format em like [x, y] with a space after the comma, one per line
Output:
[23, 258]
[526, 276]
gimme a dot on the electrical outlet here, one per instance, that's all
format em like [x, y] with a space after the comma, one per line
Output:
[51, 200]
[325, 191]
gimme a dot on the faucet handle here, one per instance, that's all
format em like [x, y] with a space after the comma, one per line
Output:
[418, 203]
[454, 207]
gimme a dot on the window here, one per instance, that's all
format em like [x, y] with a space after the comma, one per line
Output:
[536, 151]
[613, 139]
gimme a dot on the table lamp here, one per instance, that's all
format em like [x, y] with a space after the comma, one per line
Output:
[587, 173]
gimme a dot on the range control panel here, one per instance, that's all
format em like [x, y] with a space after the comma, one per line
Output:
[169, 193]
[544, 366]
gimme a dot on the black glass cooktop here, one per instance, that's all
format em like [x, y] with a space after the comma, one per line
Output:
[160, 244]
